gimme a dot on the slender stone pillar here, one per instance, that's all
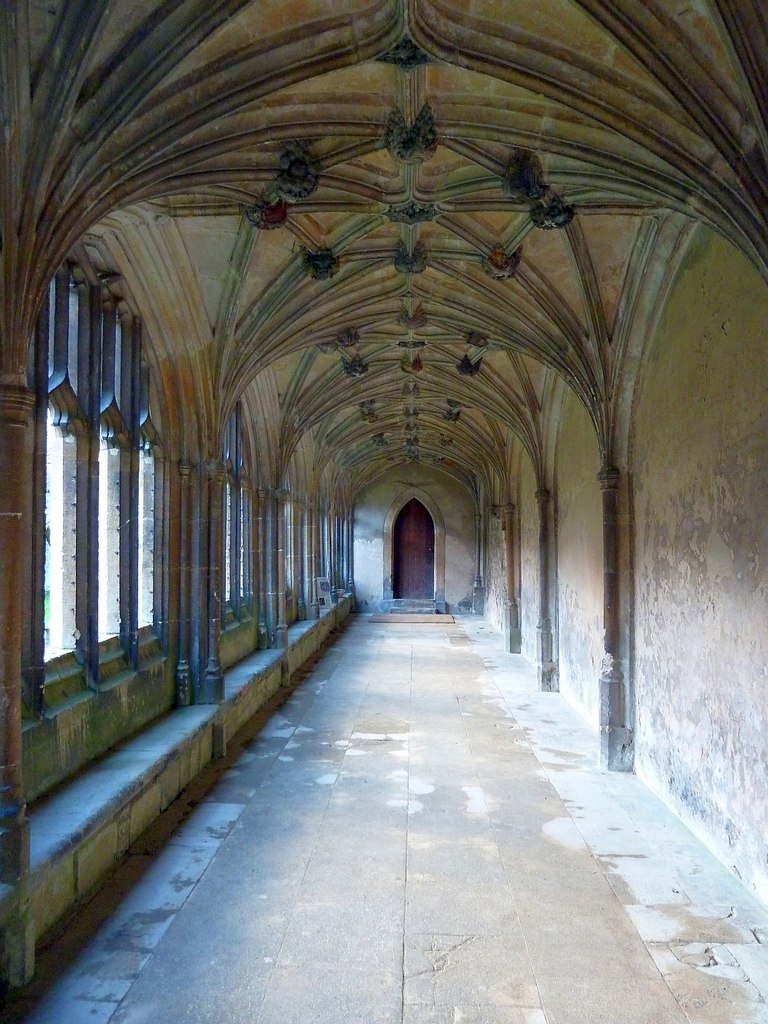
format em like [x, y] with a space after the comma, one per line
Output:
[16, 440]
[478, 596]
[262, 573]
[214, 677]
[183, 679]
[350, 553]
[332, 552]
[615, 735]
[512, 632]
[314, 559]
[300, 563]
[546, 669]
[17, 933]
[281, 628]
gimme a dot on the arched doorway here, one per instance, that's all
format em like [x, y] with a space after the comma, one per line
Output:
[413, 563]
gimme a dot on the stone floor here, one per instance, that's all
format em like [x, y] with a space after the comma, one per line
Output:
[417, 836]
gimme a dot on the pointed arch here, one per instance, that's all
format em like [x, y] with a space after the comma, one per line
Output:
[399, 503]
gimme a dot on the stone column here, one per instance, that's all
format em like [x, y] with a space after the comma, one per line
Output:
[314, 559]
[350, 552]
[183, 679]
[545, 665]
[214, 677]
[281, 627]
[262, 580]
[332, 552]
[300, 568]
[17, 935]
[512, 633]
[615, 734]
[16, 441]
[478, 597]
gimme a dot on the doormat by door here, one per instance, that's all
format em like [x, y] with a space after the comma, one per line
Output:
[433, 620]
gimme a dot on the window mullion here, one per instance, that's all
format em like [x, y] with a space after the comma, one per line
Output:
[129, 490]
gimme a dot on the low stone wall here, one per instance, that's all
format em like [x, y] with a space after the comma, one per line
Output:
[82, 830]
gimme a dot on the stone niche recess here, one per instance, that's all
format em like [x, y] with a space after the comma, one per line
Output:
[453, 512]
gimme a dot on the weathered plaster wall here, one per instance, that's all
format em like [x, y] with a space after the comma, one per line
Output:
[528, 512]
[495, 572]
[701, 566]
[579, 559]
[458, 512]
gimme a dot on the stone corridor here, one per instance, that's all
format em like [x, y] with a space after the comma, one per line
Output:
[416, 835]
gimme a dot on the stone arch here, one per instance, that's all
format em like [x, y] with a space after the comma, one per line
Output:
[395, 508]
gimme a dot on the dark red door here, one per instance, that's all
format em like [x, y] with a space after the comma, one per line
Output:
[414, 553]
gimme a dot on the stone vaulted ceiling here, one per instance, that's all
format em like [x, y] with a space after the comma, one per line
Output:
[395, 230]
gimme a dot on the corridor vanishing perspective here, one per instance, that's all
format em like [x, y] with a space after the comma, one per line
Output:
[320, 308]
[417, 835]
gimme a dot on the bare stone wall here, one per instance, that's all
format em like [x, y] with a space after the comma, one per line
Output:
[529, 560]
[458, 512]
[701, 564]
[495, 572]
[579, 559]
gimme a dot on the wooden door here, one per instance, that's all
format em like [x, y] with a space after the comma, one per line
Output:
[414, 553]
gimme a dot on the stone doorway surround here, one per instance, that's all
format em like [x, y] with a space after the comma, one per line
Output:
[413, 562]
[395, 508]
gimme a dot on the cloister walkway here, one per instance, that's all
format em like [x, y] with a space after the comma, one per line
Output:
[417, 835]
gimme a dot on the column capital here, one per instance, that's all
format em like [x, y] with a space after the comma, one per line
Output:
[215, 470]
[542, 495]
[185, 468]
[16, 402]
[510, 508]
[609, 478]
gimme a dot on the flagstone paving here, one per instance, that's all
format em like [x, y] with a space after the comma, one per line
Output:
[416, 836]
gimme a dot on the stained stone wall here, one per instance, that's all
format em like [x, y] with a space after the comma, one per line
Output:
[528, 513]
[458, 511]
[701, 568]
[495, 572]
[579, 559]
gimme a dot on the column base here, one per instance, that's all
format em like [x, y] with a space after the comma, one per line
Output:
[17, 949]
[617, 748]
[14, 847]
[214, 684]
[314, 610]
[478, 598]
[513, 635]
[546, 667]
[183, 685]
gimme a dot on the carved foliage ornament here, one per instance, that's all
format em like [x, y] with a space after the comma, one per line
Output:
[553, 213]
[354, 367]
[412, 212]
[298, 174]
[348, 337]
[418, 318]
[367, 411]
[523, 177]
[501, 266]
[267, 214]
[411, 144]
[321, 264]
[468, 368]
[405, 55]
[523, 180]
[414, 365]
[410, 262]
